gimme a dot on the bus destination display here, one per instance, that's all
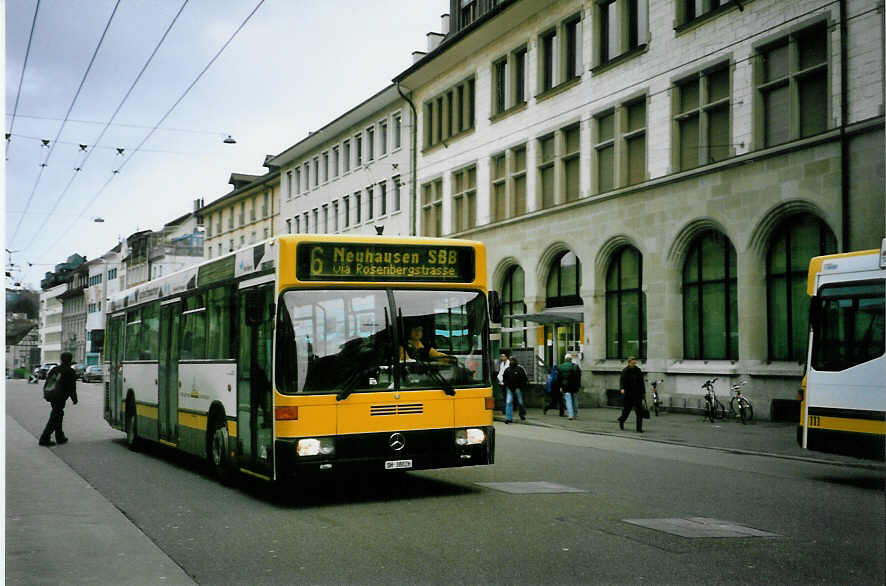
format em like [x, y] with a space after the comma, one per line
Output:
[336, 261]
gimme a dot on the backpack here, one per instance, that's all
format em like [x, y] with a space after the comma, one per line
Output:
[51, 387]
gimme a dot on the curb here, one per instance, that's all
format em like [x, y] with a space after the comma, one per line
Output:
[739, 451]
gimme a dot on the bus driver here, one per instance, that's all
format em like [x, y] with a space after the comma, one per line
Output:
[416, 350]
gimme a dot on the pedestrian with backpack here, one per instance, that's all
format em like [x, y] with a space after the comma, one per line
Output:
[569, 375]
[515, 381]
[61, 383]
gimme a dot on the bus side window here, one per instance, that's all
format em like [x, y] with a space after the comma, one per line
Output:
[286, 373]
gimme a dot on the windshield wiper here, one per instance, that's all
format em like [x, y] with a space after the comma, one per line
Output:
[351, 384]
[438, 378]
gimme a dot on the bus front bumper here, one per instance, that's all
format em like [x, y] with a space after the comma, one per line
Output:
[390, 450]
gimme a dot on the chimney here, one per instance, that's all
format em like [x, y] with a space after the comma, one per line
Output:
[434, 40]
[444, 24]
[417, 55]
[198, 203]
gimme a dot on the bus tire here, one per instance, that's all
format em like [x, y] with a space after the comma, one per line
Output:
[219, 454]
[132, 439]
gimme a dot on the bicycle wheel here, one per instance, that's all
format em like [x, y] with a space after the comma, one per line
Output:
[733, 407]
[746, 410]
[719, 410]
[709, 411]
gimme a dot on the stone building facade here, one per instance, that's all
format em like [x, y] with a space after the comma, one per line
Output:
[352, 175]
[246, 215]
[651, 177]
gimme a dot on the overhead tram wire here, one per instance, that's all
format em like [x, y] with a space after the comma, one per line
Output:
[108, 125]
[67, 115]
[18, 93]
[101, 190]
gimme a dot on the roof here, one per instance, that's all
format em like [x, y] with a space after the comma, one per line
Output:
[382, 99]
[257, 181]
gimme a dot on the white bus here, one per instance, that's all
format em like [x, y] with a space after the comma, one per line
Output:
[843, 406]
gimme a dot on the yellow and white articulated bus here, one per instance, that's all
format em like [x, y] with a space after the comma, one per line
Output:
[844, 401]
[310, 353]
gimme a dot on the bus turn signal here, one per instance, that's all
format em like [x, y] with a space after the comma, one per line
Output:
[286, 413]
[490, 403]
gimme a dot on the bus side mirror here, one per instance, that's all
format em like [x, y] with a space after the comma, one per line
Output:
[494, 307]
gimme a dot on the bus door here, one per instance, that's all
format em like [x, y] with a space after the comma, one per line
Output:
[254, 389]
[114, 353]
[167, 398]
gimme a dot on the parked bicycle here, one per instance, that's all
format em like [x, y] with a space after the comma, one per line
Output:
[713, 407]
[740, 406]
[656, 399]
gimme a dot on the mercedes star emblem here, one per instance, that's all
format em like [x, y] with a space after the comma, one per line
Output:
[397, 441]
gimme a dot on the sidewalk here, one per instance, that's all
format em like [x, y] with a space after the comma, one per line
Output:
[775, 439]
[59, 530]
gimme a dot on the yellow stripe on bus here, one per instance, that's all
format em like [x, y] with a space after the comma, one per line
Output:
[149, 411]
[851, 425]
[198, 421]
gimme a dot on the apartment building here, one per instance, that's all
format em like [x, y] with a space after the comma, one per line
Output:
[351, 176]
[104, 280]
[651, 177]
[244, 216]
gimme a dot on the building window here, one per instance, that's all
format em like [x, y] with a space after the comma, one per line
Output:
[358, 150]
[571, 50]
[298, 224]
[383, 137]
[701, 121]
[512, 303]
[307, 222]
[464, 199]
[396, 195]
[289, 190]
[307, 168]
[468, 13]
[792, 87]
[335, 215]
[325, 166]
[518, 181]
[112, 274]
[316, 221]
[499, 84]
[570, 162]
[620, 27]
[335, 163]
[604, 149]
[316, 171]
[519, 76]
[325, 218]
[689, 10]
[370, 143]
[231, 219]
[432, 208]
[564, 281]
[796, 241]
[382, 198]
[252, 210]
[358, 208]
[346, 212]
[398, 123]
[242, 217]
[625, 305]
[297, 180]
[710, 304]
[546, 61]
[499, 190]
[634, 140]
[346, 156]
[449, 114]
[546, 154]
[370, 203]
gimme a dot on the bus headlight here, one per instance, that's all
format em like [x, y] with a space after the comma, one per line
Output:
[470, 436]
[315, 447]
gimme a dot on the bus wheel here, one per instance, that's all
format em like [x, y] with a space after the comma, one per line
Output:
[132, 439]
[219, 452]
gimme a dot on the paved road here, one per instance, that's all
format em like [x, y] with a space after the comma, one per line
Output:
[573, 518]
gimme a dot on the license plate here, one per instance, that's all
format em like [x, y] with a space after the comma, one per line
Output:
[398, 464]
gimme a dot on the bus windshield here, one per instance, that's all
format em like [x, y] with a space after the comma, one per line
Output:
[353, 340]
[849, 326]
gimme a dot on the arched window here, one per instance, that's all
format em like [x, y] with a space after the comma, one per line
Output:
[625, 305]
[710, 300]
[796, 241]
[564, 281]
[512, 303]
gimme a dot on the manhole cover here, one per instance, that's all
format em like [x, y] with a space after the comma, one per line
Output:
[529, 487]
[700, 527]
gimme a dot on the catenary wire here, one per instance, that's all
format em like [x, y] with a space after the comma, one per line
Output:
[108, 125]
[18, 92]
[101, 190]
[70, 108]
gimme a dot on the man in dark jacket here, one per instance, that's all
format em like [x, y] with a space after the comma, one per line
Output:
[514, 381]
[633, 389]
[65, 386]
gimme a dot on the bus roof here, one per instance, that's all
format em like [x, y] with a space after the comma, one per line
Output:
[845, 263]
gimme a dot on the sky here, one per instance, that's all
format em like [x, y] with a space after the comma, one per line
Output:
[294, 66]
